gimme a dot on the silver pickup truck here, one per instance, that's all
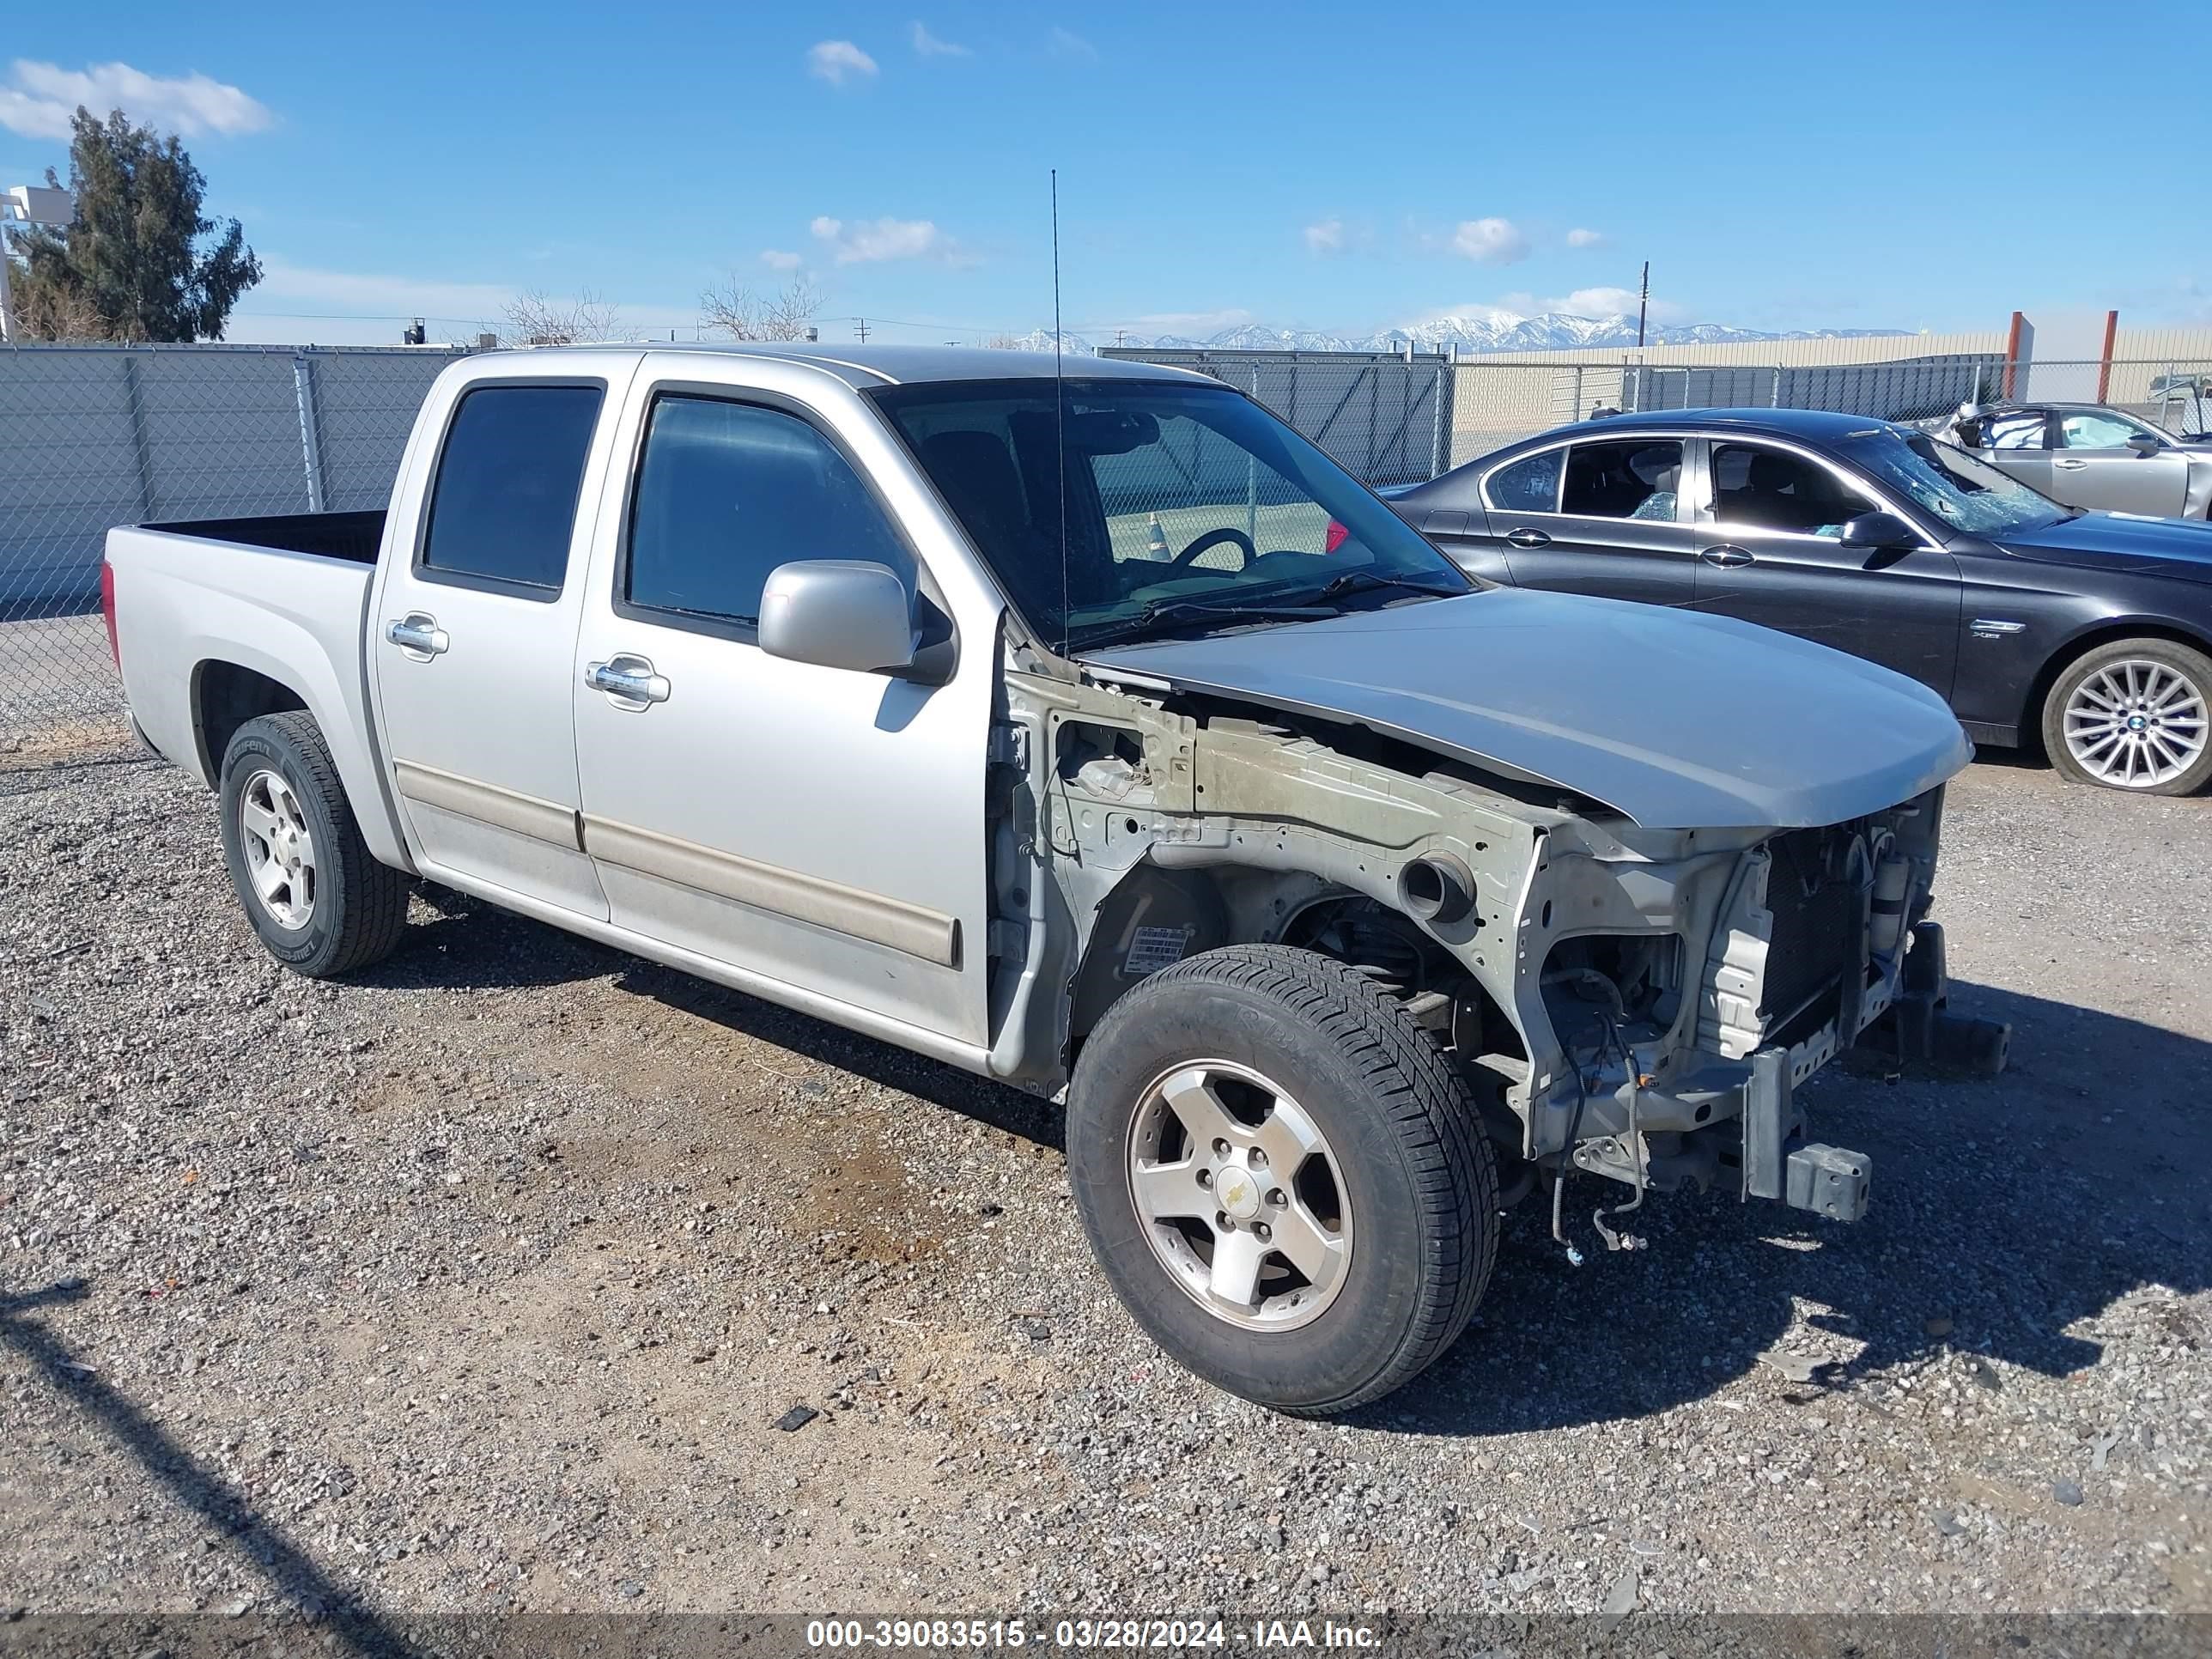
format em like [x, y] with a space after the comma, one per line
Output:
[1101, 736]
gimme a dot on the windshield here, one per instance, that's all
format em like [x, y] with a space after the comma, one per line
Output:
[1964, 492]
[1184, 505]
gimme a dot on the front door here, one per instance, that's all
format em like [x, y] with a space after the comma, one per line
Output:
[473, 628]
[1769, 551]
[820, 828]
[1595, 518]
[2017, 441]
[2095, 467]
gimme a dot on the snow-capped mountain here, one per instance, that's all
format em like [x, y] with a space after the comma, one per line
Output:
[1498, 331]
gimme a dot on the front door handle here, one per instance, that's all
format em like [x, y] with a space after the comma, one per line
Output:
[2069, 466]
[418, 636]
[1527, 538]
[1727, 555]
[628, 681]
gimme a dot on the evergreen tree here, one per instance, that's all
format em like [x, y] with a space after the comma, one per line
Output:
[138, 262]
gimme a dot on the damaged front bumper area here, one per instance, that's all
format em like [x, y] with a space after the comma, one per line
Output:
[1670, 1051]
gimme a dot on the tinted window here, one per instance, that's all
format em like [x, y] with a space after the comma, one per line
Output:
[1635, 479]
[729, 491]
[1775, 490]
[2022, 429]
[505, 503]
[2092, 429]
[1529, 485]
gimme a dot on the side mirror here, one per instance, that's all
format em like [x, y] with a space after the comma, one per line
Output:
[2143, 444]
[838, 613]
[1879, 531]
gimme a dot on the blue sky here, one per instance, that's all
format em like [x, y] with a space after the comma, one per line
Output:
[1340, 166]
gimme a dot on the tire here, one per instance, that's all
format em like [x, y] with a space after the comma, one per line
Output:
[337, 909]
[1403, 1158]
[2177, 684]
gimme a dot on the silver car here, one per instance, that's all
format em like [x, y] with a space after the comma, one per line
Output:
[2091, 455]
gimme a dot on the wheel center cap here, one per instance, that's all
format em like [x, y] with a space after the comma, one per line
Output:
[1239, 1195]
[2136, 722]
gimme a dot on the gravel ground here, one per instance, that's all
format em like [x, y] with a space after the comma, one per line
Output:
[484, 1281]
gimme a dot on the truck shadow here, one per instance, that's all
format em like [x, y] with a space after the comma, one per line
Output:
[2008, 1215]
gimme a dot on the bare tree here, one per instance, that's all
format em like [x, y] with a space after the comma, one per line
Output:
[55, 313]
[736, 309]
[532, 318]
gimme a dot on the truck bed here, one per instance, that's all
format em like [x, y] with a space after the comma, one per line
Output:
[353, 537]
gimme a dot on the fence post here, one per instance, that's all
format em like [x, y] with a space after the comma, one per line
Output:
[1439, 457]
[311, 437]
[141, 446]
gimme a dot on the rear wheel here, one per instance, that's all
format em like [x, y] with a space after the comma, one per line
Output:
[1283, 1177]
[322, 905]
[2134, 714]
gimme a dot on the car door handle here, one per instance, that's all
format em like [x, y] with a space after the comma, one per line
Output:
[1727, 555]
[628, 682]
[2069, 466]
[1528, 538]
[418, 635]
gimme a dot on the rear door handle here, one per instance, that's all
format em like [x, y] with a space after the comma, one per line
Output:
[418, 635]
[2069, 466]
[628, 681]
[1527, 538]
[1727, 555]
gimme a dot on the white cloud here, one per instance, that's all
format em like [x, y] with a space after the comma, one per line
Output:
[776, 258]
[1325, 236]
[1579, 237]
[838, 62]
[926, 45]
[1066, 43]
[397, 296]
[38, 99]
[874, 241]
[1489, 241]
[1600, 302]
[1193, 323]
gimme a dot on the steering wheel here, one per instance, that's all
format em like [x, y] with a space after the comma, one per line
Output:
[1214, 539]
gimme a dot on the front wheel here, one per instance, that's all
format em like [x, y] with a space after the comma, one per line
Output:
[321, 903]
[2133, 714]
[1283, 1177]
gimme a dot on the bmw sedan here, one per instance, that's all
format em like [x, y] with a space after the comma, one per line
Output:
[2090, 632]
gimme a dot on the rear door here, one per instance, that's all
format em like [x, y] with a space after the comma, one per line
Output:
[474, 626]
[804, 827]
[1769, 552]
[2095, 468]
[1595, 517]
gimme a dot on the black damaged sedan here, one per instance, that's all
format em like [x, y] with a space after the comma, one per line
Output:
[2088, 632]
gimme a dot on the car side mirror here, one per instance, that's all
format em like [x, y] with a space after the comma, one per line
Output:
[1878, 532]
[838, 613]
[2143, 444]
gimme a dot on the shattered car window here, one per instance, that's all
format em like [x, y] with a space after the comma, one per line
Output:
[1964, 492]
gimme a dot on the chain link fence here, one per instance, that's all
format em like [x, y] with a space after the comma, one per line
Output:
[94, 436]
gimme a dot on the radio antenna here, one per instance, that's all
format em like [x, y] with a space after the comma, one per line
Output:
[1059, 415]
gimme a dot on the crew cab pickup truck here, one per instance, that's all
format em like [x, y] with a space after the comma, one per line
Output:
[1098, 735]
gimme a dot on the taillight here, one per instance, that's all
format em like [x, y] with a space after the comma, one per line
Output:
[1333, 538]
[108, 609]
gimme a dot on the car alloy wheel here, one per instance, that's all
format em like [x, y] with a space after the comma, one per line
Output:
[1240, 1195]
[2136, 724]
[279, 849]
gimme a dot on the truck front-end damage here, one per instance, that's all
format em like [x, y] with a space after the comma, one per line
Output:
[1640, 1004]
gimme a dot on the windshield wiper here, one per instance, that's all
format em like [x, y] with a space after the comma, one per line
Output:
[1367, 582]
[1166, 612]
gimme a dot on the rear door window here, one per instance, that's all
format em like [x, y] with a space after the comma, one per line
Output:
[2090, 428]
[1635, 478]
[503, 507]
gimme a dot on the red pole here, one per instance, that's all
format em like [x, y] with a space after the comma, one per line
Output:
[2105, 363]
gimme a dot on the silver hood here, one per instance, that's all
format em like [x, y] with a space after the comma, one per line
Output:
[1675, 720]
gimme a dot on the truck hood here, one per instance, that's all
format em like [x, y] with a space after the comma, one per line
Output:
[2120, 542]
[1674, 720]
